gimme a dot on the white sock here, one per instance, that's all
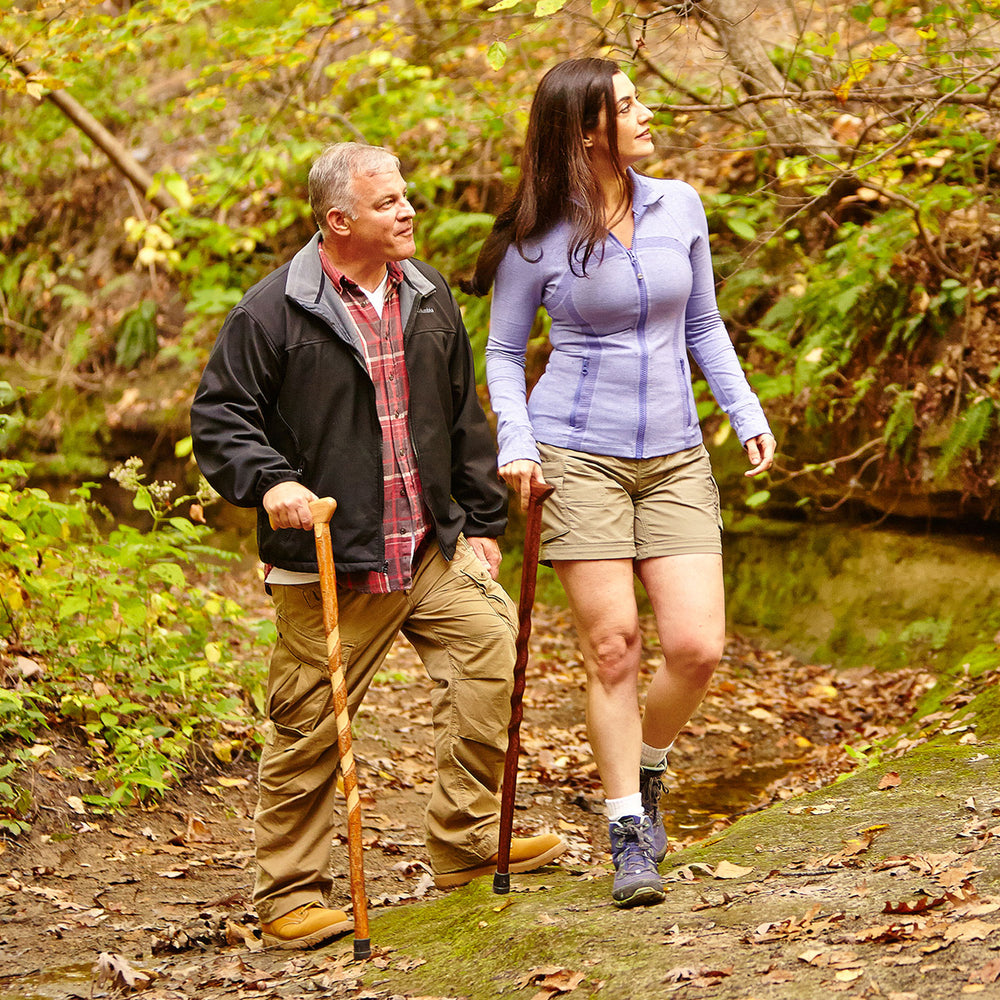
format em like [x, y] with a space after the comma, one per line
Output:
[627, 805]
[654, 758]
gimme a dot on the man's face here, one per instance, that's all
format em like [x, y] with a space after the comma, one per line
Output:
[383, 229]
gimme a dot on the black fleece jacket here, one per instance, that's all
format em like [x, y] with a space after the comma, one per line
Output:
[286, 396]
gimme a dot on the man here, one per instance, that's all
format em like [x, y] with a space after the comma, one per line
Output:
[348, 373]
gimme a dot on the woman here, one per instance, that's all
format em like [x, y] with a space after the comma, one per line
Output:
[621, 263]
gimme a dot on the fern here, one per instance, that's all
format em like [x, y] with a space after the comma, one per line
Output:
[968, 433]
[901, 421]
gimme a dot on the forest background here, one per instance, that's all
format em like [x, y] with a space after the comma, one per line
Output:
[154, 161]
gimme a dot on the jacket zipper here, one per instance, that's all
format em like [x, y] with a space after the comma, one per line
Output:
[643, 351]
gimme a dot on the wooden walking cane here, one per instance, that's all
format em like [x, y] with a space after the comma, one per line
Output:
[540, 492]
[322, 510]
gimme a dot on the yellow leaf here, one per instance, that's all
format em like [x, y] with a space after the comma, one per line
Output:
[212, 652]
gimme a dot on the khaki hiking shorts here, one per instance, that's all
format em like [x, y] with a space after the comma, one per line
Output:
[629, 508]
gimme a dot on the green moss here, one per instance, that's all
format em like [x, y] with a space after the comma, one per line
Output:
[853, 596]
[478, 945]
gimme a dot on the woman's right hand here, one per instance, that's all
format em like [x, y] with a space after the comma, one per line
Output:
[519, 475]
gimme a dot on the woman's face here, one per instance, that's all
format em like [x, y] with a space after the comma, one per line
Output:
[632, 122]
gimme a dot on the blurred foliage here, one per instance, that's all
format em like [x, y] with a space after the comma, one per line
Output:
[851, 192]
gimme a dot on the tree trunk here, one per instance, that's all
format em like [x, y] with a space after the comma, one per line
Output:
[733, 23]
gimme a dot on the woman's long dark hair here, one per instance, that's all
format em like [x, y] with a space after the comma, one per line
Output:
[557, 179]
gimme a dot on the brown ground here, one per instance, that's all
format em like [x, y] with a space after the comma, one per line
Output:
[170, 886]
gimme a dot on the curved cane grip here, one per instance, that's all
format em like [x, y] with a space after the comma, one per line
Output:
[322, 509]
[541, 491]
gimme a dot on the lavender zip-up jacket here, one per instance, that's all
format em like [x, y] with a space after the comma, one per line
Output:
[618, 381]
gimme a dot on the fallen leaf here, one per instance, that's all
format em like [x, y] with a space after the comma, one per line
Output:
[680, 973]
[848, 975]
[409, 964]
[114, 971]
[76, 804]
[989, 973]
[197, 829]
[812, 956]
[233, 782]
[726, 869]
[917, 906]
[889, 780]
[536, 973]
[956, 876]
[779, 976]
[969, 930]
[237, 933]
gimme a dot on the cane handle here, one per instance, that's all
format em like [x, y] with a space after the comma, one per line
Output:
[541, 491]
[321, 510]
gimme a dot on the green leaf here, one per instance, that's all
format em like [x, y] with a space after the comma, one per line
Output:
[496, 55]
[742, 228]
[504, 5]
[74, 605]
[169, 572]
[546, 8]
[758, 499]
[177, 187]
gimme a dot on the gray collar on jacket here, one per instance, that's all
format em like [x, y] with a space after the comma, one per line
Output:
[308, 286]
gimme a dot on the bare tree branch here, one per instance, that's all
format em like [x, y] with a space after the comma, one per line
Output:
[758, 74]
[120, 157]
[885, 95]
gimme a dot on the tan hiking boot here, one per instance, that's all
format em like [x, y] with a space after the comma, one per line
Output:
[526, 854]
[305, 926]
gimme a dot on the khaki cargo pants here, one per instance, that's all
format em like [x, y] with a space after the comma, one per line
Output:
[463, 626]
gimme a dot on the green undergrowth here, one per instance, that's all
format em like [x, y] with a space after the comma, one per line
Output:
[119, 637]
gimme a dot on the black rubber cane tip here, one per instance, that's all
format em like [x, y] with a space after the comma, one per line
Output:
[501, 883]
[362, 948]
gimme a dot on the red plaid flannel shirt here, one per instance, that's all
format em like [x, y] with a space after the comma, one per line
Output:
[406, 521]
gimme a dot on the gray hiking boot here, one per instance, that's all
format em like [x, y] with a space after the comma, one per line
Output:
[637, 882]
[651, 789]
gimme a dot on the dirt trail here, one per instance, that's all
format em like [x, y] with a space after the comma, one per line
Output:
[786, 903]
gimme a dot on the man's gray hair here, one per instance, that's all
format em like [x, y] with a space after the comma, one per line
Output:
[331, 179]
